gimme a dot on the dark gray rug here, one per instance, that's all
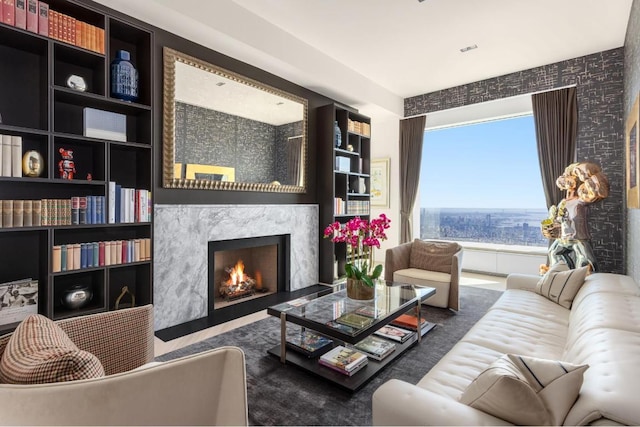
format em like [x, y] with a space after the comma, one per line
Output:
[286, 395]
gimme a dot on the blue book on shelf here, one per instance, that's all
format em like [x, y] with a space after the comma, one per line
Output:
[88, 221]
[84, 253]
[94, 209]
[118, 203]
[99, 209]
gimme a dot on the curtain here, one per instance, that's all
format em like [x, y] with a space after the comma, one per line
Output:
[411, 136]
[294, 160]
[555, 115]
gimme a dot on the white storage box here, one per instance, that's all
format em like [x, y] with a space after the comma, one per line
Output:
[343, 164]
[105, 124]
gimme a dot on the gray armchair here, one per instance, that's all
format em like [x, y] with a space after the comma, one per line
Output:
[433, 263]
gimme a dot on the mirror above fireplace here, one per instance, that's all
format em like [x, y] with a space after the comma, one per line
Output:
[224, 131]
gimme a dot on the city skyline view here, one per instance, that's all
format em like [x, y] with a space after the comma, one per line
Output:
[490, 164]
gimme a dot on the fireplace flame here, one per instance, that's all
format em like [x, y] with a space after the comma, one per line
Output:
[237, 273]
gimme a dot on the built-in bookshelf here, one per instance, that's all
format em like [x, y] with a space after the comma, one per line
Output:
[343, 179]
[46, 114]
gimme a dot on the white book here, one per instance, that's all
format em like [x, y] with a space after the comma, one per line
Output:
[6, 155]
[16, 156]
[132, 204]
[112, 202]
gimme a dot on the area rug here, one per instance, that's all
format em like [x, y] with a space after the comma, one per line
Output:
[285, 395]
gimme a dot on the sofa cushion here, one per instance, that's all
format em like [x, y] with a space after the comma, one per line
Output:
[432, 255]
[561, 284]
[40, 352]
[525, 390]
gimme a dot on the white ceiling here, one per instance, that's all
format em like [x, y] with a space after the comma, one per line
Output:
[378, 52]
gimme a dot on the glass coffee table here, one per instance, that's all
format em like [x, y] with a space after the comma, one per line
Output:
[328, 314]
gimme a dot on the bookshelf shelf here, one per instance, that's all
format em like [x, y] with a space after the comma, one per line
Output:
[342, 197]
[37, 107]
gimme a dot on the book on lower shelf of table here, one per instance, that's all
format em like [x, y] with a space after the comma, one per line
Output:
[393, 333]
[343, 359]
[308, 343]
[376, 348]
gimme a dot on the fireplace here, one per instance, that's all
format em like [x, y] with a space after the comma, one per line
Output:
[243, 270]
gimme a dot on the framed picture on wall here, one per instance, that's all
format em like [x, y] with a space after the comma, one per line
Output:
[633, 153]
[379, 183]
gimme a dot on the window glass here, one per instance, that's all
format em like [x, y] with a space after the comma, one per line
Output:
[481, 183]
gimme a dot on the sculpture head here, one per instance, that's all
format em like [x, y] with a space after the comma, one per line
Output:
[595, 188]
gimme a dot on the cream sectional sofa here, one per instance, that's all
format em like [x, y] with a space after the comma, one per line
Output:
[602, 329]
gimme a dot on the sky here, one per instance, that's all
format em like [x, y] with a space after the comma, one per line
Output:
[486, 165]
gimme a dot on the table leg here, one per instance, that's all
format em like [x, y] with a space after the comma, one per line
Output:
[419, 324]
[283, 337]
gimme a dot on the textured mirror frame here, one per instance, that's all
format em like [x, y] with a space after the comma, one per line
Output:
[168, 159]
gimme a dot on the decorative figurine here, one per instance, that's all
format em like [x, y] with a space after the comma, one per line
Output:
[584, 184]
[66, 166]
[32, 163]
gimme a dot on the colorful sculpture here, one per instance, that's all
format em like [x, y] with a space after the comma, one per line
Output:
[66, 166]
[584, 184]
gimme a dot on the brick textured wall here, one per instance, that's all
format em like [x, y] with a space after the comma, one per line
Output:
[599, 81]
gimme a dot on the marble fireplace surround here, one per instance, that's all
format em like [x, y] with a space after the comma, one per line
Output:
[181, 237]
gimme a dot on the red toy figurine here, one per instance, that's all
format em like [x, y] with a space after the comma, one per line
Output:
[66, 166]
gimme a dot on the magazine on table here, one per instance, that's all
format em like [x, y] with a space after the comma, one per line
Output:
[376, 348]
[371, 311]
[344, 358]
[394, 333]
[308, 343]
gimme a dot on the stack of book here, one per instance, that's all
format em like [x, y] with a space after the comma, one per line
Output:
[375, 348]
[396, 334]
[308, 343]
[345, 360]
[10, 155]
[410, 322]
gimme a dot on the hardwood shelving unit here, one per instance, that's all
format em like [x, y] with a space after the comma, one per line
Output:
[337, 183]
[37, 105]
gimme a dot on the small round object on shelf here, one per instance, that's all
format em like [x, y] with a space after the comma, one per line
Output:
[32, 164]
[76, 82]
[76, 296]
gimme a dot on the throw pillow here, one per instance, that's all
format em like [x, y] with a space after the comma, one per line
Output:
[432, 255]
[40, 352]
[525, 390]
[561, 284]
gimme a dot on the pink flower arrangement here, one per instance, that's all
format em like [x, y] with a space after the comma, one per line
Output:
[361, 236]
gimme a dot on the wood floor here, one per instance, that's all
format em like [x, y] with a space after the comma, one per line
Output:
[161, 347]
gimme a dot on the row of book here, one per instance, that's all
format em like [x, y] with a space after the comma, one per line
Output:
[359, 127]
[37, 17]
[20, 213]
[126, 205]
[339, 206]
[11, 155]
[76, 256]
[358, 207]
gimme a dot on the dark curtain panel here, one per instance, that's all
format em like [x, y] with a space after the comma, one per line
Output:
[556, 119]
[411, 135]
[294, 157]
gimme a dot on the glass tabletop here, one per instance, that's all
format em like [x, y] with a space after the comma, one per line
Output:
[337, 313]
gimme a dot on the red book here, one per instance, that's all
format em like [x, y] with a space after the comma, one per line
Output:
[101, 252]
[43, 18]
[32, 15]
[9, 12]
[21, 14]
[408, 321]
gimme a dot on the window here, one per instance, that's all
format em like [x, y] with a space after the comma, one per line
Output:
[481, 183]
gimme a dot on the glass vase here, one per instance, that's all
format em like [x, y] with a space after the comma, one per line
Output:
[359, 290]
